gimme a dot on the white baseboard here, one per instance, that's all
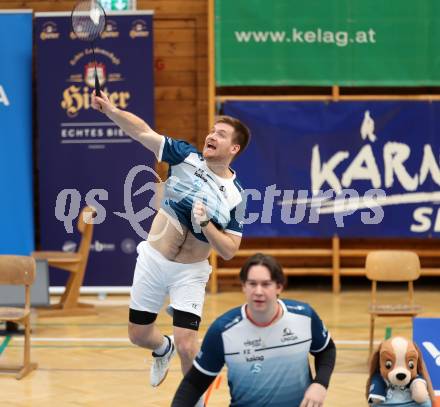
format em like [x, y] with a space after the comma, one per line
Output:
[93, 290]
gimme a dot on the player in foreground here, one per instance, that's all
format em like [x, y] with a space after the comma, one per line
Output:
[265, 344]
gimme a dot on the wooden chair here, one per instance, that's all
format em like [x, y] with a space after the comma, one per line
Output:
[392, 266]
[75, 264]
[19, 270]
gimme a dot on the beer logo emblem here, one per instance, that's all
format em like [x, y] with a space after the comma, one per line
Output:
[49, 31]
[110, 30]
[139, 29]
[89, 74]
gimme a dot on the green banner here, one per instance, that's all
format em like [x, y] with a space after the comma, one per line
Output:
[322, 42]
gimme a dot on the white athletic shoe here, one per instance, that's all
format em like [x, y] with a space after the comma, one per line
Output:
[161, 364]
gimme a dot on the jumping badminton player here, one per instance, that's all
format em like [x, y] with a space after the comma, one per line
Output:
[202, 201]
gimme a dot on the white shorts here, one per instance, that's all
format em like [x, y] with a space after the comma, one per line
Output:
[155, 277]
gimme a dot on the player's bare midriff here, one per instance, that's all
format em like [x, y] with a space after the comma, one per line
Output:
[176, 245]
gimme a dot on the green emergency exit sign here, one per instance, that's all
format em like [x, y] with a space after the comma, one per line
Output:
[118, 5]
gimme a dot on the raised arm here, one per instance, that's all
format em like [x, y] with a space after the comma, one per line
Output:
[131, 124]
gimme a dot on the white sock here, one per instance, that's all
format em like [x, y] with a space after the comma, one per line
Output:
[164, 348]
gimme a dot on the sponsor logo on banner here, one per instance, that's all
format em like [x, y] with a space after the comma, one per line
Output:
[98, 246]
[69, 246]
[77, 97]
[49, 31]
[89, 74]
[433, 351]
[364, 166]
[345, 49]
[85, 160]
[379, 175]
[110, 30]
[139, 29]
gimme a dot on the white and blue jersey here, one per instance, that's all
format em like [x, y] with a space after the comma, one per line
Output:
[190, 180]
[267, 366]
[393, 395]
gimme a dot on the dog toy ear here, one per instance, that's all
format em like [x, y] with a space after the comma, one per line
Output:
[423, 371]
[374, 368]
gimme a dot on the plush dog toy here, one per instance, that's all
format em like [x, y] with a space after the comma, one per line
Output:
[398, 375]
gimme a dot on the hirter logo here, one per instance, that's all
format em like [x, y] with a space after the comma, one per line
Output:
[89, 74]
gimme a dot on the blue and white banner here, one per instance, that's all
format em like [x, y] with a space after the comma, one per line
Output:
[17, 202]
[84, 159]
[427, 336]
[355, 169]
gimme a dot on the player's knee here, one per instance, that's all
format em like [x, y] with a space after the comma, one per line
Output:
[138, 335]
[133, 335]
[140, 327]
[186, 346]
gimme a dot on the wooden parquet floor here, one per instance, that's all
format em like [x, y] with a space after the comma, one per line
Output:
[88, 361]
